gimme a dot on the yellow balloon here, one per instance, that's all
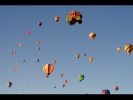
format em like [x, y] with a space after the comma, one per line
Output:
[91, 59]
[119, 49]
[128, 48]
[48, 69]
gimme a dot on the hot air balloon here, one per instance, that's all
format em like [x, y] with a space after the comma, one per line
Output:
[92, 35]
[73, 17]
[9, 84]
[54, 61]
[116, 88]
[28, 33]
[20, 45]
[81, 77]
[48, 69]
[38, 60]
[54, 86]
[37, 42]
[57, 18]
[39, 23]
[119, 49]
[61, 75]
[77, 55]
[84, 54]
[128, 48]
[91, 59]
[24, 60]
[105, 91]
[66, 81]
[63, 85]
[38, 48]
[13, 52]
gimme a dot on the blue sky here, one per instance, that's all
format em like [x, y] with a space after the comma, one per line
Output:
[113, 26]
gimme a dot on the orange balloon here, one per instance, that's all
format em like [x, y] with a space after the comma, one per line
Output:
[48, 69]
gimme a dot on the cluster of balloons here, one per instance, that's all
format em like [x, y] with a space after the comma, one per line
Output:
[73, 17]
[105, 92]
[127, 47]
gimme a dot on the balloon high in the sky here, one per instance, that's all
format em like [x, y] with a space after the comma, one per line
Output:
[81, 77]
[20, 45]
[54, 61]
[37, 43]
[66, 81]
[77, 55]
[73, 17]
[63, 85]
[39, 23]
[57, 18]
[91, 59]
[92, 35]
[61, 75]
[119, 49]
[105, 91]
[48, 69]
[28, 33]
[38, 48]
[13, 52]
[24, 60]
[128, 48]
[9, 84]
[38, 60]
[54, 86]
[84, 54]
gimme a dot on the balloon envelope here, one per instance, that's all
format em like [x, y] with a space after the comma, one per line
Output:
[48, 69]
